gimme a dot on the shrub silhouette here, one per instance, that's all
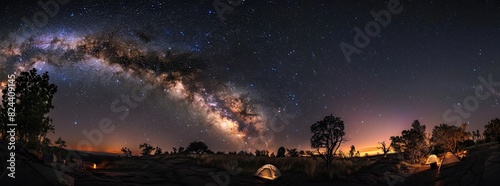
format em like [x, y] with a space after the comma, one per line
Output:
[281, 152]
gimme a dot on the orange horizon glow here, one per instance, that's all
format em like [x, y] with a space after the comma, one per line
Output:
[371, 150]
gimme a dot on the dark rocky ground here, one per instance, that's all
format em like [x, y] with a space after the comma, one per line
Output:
[480, 167]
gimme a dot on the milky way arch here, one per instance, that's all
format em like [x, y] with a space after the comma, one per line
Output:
[231, 111]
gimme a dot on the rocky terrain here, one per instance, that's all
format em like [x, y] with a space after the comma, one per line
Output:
[480, 167]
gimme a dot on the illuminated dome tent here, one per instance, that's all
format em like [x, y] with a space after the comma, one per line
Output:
[268, 172]
[432, 160]
[449, 159]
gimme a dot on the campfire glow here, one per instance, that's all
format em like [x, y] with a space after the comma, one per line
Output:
[95, 166]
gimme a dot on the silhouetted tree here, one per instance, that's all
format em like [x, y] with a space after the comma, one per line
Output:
[46, 145]
[158, 151]
[126, 152]
[146, 149]
[341, 154]
[264, 153]
[61, 143]
[328, 134]
[33, 102]
[281, 152]
[352, 151]
[220, 152]
[257, 152]
[449, 136]
[292, 152]
[358, 154]
[174, 150]
[492, 130]
[181, 149]
[366, 154]
[197, 147]
[478, 135]
[397, 144]
[272, 155]
[413, 142]
[475, 137]
[384, 147]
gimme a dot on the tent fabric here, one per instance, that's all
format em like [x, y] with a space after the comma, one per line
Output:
[432, 159]
[449, 158]
[269, 172]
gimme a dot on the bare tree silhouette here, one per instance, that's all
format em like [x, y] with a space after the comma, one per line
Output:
[328, 134]
[384, 147]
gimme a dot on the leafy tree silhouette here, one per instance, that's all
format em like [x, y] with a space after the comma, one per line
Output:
[492, 130]
[181, 149]
[272, 155]
[126, 152]
[264, 153]
[33, 101]
[257, 152]
[158, 150]
[197, 147]
[292, 152]
[449, 136]
[476, 136]
[146, 149]
[60, 151]
[220, 152]
[341, 154]
[328, 134]
[281, 152]
[412, 142]
[61, 143]
[352, 151]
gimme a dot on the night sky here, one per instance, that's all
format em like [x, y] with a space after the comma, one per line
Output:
[171, 72]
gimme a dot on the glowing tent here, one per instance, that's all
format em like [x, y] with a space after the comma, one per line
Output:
[432, 160]
[268, 172]
[449, 158]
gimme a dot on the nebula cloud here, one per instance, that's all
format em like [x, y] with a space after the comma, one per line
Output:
[222, 106]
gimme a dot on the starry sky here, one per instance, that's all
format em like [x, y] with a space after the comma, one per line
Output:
[257, 75]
